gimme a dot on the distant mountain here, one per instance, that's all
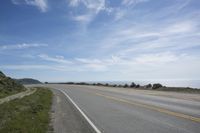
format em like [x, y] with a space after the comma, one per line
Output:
[27, 81]
[9, 86]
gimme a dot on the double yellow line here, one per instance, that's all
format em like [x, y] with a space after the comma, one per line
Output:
[155, 108]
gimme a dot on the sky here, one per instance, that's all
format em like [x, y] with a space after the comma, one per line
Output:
[100, 40]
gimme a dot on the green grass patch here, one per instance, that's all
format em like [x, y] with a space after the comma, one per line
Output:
[27, 115]
[4, 93]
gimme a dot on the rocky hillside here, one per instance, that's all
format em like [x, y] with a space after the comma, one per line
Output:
[9, 86]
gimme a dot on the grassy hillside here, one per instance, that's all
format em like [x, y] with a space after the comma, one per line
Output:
[27, 81]
[27, 115]
[9, 86]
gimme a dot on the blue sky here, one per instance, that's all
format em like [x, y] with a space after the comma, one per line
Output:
[99, 40]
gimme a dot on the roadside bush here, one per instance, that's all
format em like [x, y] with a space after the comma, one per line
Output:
[82, 83]
[148, 86]
[156, 86]
[133, 85]
[99, 84]
[69, 83]
[114, 85]
[126, 85]
[137, 86]
[120, 86]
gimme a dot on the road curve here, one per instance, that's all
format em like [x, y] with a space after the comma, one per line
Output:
[120, 110]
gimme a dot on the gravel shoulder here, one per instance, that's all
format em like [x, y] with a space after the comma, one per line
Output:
[65, 117]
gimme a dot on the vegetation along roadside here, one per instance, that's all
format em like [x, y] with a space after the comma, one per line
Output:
[27, 115]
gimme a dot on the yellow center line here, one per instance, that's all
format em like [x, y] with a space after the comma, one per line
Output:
[188, 117]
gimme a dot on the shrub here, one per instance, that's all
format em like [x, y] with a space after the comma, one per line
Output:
[106, 84]
[126, 85]
[148, 86]
[156, 86]
[70, 83]
[132, 85]
[82, 83]
[99, 84]
[114, 85]
[137, 86]
[119, 85]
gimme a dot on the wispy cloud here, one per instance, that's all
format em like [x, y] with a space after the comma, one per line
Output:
[95, 5]
[119, 14]
[83, 18]
[42, 5]
[158, 58]
[132, 2]
[142, 37]
[92, 8]
[141, 66]
[180, 28]
[21, 46]
[58, 59]
[35, 67]
[25, 67]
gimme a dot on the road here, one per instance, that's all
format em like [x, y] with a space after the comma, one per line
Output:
[120, 110]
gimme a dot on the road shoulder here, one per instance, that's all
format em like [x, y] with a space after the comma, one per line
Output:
[65, 117]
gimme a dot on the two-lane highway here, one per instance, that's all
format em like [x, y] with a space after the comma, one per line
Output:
[119, 110]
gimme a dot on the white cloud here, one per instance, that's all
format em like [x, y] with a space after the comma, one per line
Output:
[98, 64]
[35, 67]
[58, 59]
[140, 37]
[91, 64]
[158, 58]
[42, 5]
[93, 7]
[125, 61]
[154, 65]
[28, 56]
[132, 2]
[24, 67]
[95, 67]
[21, 46]
[180, 27]
[83, 18]
[74, 3]
[87, 61]
[119, 14]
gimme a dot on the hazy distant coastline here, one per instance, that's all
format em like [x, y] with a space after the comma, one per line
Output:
[169, 83]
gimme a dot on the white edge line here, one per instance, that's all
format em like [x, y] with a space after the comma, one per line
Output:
[82, 113]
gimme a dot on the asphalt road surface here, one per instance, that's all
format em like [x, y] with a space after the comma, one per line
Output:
[120, 110]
